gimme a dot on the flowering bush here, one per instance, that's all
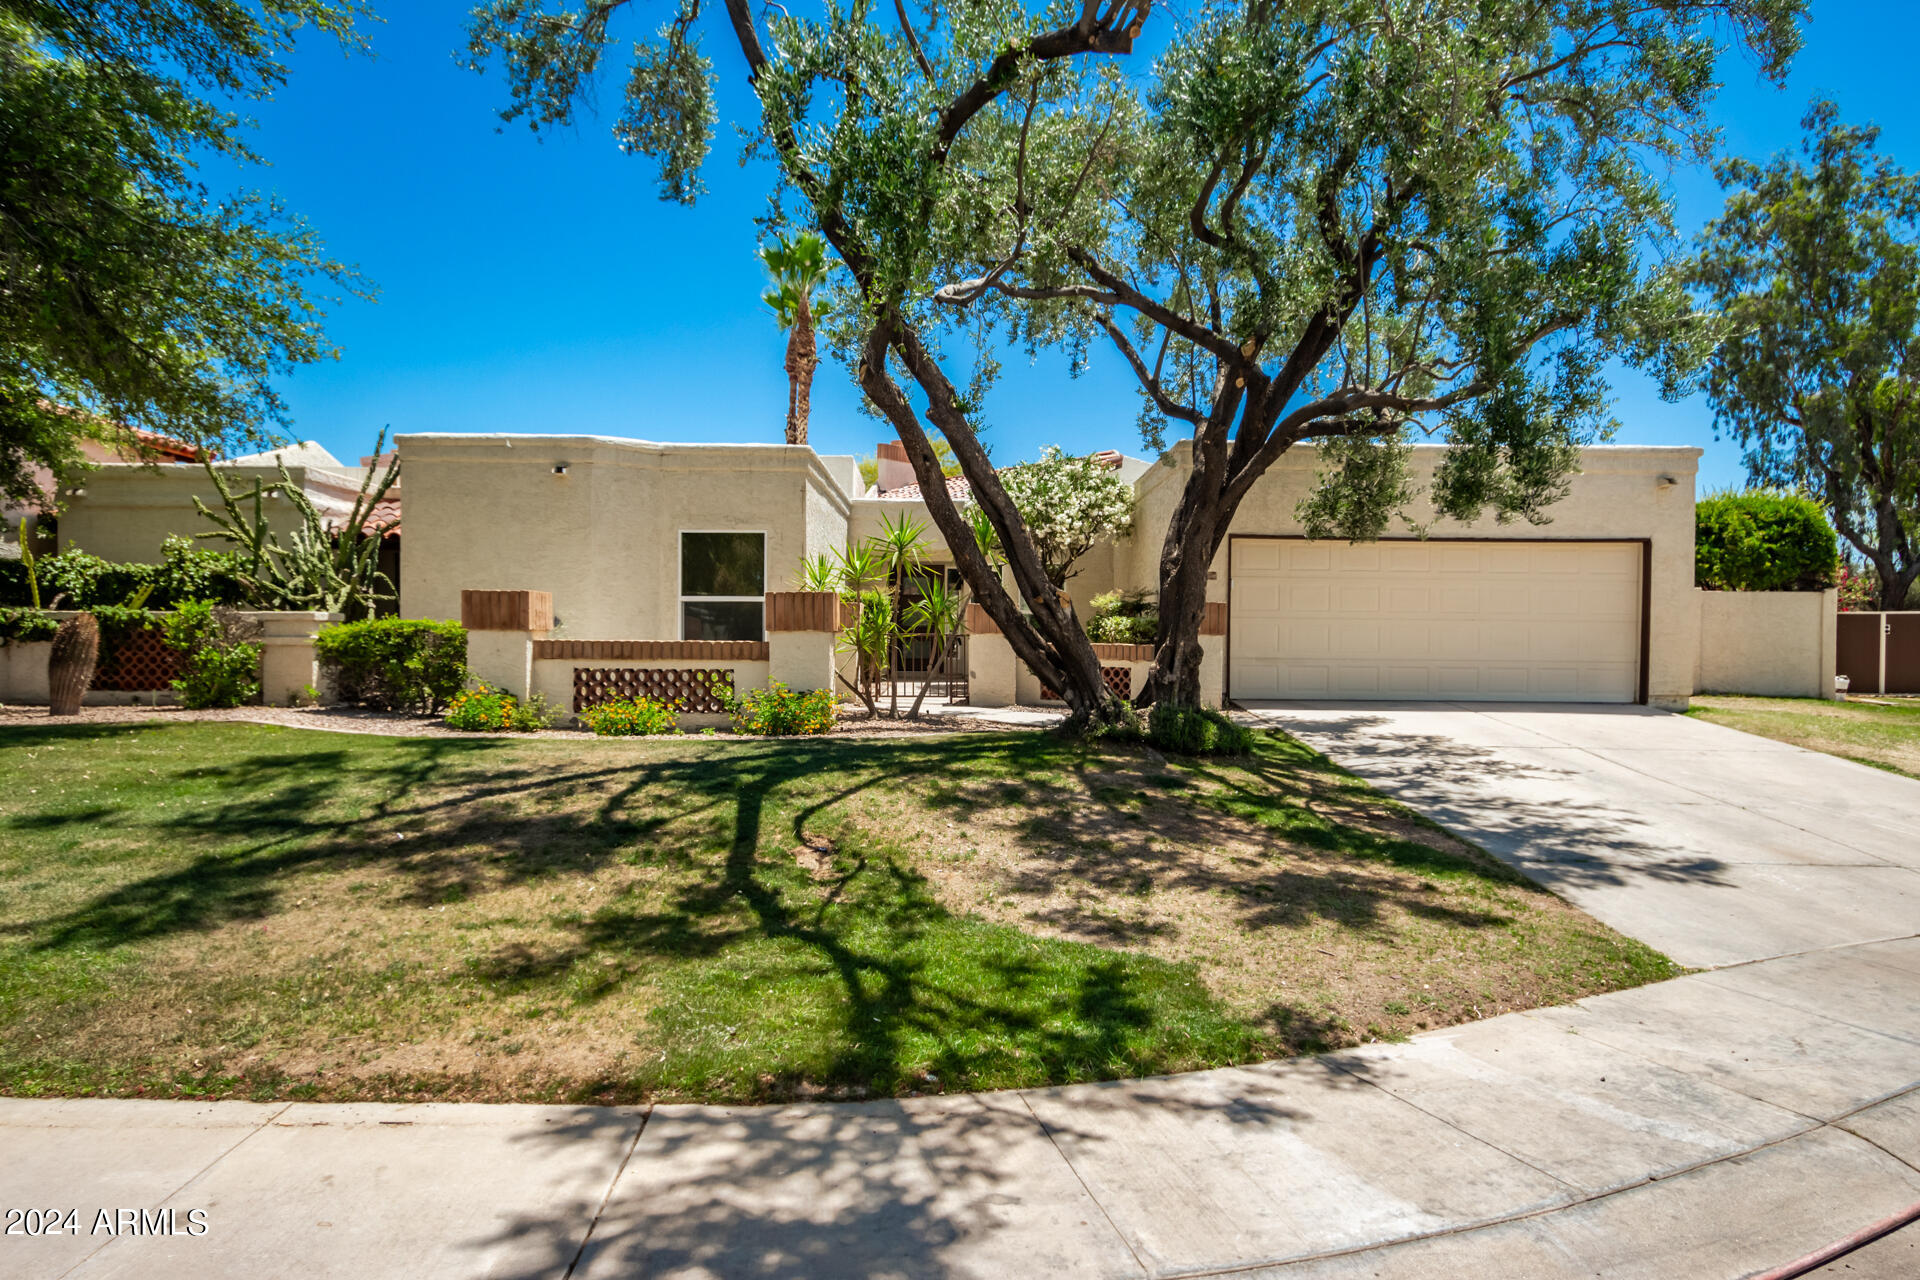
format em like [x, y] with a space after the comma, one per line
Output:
[633, 717]
[781, 712]
[487, 709]
[1858, 591]
[1068, 504]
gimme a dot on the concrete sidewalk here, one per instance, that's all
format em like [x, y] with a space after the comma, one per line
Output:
[1708, 1127]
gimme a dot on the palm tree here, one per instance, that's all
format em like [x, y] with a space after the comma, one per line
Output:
[797, 267]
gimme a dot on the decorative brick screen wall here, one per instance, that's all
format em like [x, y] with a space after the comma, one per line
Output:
[689, 687]
[1119, 682]
[138, 661]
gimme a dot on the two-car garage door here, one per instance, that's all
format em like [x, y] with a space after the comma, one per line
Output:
[1492, 621]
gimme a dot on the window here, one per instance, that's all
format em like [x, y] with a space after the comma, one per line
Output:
[723, 585]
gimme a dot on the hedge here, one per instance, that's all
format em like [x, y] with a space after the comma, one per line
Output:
[395, 664]
[74, 579]
[1763, 540]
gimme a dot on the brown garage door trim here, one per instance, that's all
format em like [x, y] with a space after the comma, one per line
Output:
[1646, 588]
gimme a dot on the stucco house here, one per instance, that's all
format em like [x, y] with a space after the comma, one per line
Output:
[673, 555]
[644, 541]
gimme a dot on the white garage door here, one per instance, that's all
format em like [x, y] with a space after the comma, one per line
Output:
[1489, 621]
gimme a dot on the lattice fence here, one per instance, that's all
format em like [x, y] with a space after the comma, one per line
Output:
[1119, 684]
[690, 687]
[136, 661]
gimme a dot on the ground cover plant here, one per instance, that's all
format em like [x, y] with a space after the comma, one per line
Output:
[485, 709]
[241, 910]
[1884, 736]
[632, 717]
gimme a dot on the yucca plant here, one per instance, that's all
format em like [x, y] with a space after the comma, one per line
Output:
[940, 615]
[902, 550]
[870, 640]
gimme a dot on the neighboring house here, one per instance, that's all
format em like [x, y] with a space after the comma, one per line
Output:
[638, 540]
[41, 525]
[125, 511]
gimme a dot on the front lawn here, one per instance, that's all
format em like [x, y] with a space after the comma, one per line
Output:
[1886, 737]
[249, 911]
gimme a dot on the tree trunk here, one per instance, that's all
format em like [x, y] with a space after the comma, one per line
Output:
[1053, 644]
[1206, 511]
[70, 664]
[802, 360]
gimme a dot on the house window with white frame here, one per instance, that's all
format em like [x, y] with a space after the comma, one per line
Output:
[723, 586]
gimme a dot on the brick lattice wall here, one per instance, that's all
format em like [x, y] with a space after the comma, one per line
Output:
[689, 687]
[138, 661]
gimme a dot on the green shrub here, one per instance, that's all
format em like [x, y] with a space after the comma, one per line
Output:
[26, 626]
[222, 667]
[1123, 617]
[1763, 540]
[1196, 731]
[780, 712]
[395, 664]
[632, 717]
[487, 709]
[74, 579]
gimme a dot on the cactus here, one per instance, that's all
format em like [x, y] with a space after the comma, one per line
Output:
[76, 650]
[324, 567]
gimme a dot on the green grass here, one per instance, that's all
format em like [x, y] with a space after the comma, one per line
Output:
[241, 910]
[1885, 737]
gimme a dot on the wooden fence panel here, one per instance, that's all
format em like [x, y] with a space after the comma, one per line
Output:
[1857, 650]
[803, 611]
[506, 610]
[1903, 653]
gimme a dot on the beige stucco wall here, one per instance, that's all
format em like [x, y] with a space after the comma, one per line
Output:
[488, 512]
[124, 512]
[287, 664]
[1778, 644]
[1618, 493]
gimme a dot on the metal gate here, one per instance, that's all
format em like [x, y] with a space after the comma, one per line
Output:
[1879, 652]
[914, 666]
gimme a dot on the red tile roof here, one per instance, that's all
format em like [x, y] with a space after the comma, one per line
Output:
[960, 489]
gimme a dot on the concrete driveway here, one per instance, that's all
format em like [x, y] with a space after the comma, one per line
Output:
[1715, 846]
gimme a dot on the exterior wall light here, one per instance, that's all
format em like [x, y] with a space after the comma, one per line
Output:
[559, 468]
[1666, 482]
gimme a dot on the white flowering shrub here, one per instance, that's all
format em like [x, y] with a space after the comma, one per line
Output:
[1068, 504]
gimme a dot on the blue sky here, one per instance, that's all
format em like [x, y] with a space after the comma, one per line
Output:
[537, 284]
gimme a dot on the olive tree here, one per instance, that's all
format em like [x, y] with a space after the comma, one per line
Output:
[132, 295]
[1815, 267]
[1336, 221]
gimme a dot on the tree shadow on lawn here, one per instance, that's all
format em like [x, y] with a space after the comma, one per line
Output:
[921, 999]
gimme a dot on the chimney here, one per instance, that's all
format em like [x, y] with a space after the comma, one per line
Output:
[895, 471]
